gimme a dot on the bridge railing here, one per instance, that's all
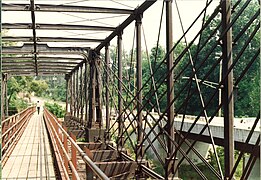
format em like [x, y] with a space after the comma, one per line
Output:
[61, 142]
[12, 129]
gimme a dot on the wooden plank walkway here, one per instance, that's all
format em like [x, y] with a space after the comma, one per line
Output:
[31, 158]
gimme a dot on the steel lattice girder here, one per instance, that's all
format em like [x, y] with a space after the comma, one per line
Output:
[56, 27]
[48, 39]
[64, 8]
[44, 59]
[44, 49]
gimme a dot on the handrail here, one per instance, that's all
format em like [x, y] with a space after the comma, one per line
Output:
[60, 137]
[12, 130]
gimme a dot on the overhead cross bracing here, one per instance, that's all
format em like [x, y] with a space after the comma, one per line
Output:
[136, 99]
[37, 42]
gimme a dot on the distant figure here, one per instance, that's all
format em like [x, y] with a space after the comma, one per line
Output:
[38, 107]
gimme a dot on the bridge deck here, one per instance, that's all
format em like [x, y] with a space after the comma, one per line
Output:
[31, 158]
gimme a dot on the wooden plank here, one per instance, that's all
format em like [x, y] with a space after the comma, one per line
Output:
[26, 161]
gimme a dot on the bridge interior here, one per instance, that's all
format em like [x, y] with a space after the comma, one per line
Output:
[123, 107]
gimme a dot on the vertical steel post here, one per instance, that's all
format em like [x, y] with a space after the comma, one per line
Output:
[98, 89]
[81, 96]
[227, 93]
[77, 93]
[120, 119]
[139, 86]
[107, 104]
[169, 168]
[71, 94]
[6, 94]
[86, 92]
[74, 94]
[67, 92]
[2, 96]
[92, 96]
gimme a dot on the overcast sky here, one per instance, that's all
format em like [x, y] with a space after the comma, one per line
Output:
[189, 10]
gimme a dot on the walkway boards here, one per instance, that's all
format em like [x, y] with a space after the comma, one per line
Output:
[31, 158]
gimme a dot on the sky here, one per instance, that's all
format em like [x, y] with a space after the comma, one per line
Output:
[189, 10]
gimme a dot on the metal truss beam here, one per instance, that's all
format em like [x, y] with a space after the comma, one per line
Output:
[240, 146]
[77, 67]
[56, 27]
[32, 73]
[48, 39]
[44, 67]
[39, 62]
[27, 70]
[44, 58]
[44, 49]
[52, 64]
[6, 64]
[64, 8]
[33, 27]
[143, 7]
[21, 66]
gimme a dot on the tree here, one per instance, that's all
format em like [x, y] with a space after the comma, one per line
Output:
[247, 96]
[38, 87]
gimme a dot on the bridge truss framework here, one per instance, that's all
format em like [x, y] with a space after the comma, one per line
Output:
[94, 81]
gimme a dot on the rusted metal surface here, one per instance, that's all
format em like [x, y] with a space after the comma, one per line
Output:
[59, 135]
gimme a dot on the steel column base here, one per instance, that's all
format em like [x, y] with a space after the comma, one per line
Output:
[93, 134]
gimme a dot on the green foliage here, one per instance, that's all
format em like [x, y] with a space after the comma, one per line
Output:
[56, 88]
[39, 87]
[186, 172]
[184, 169]
[56, 109]
[159, 69]
[81, 140]
[16, 105]
[16, 85]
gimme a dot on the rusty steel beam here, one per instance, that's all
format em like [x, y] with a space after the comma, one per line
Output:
[51, 66]
[28, 68]
[64, 8]
[49, 63]
[24, 70]
[81, 94]
[33, 27]
[77, 92]
[28, 73]
[71, 94]
[43, 58]
[44, 49]
[227, 91]
[138, 23]
[107, 96]
[6, 64]
[170, 162]
[139, 10]
[54, 70]
[56, 27]
[48, 39]
[92, 94]
[86, 93]
[120, 102]
[18, 67]
[73, 64]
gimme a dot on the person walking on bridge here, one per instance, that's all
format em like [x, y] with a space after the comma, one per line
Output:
[38, 107]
